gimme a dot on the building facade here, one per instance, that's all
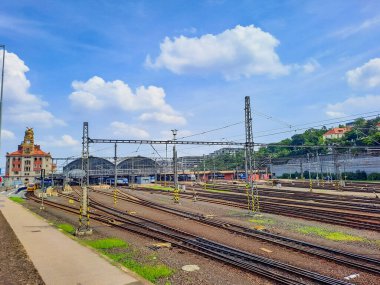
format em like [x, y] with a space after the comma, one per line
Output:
[226, 150]
[25, 164]
[336, 133]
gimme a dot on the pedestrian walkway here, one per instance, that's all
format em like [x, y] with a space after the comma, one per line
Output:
[58, 258]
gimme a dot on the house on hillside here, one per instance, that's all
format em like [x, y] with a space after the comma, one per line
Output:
[335, 133]
[378, 126]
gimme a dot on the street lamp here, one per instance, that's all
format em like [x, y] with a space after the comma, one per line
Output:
[1, 90]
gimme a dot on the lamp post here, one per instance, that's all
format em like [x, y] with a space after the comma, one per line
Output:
[1, 90]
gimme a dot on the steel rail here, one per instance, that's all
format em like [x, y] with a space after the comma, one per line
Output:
[276, 239]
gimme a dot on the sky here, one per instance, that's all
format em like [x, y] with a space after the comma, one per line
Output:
[138, 69]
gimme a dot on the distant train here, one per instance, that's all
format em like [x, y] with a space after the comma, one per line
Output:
[119, 181]
[31, 187]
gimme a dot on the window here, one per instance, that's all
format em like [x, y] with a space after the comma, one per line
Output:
[16, 172]
[27, 168]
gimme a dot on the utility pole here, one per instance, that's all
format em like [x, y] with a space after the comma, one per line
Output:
[84, 216]
[310, 181]
[175, 170]
[252, 198]
[115, 184]
[1, 90]
[166, 163]
[175, 178]
[133, 173]
[42, 207]
[317, 167]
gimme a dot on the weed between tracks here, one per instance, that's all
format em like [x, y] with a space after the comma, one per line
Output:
[263, 221]
[120, 252]
[66, 228]
[327, 234]
[17, 199]
[157, 187]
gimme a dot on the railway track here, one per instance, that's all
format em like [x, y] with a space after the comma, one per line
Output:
[349, 186]
[355, 220]
[276, 271]
[346, 258]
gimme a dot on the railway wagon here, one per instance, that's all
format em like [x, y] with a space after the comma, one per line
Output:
[31, 187]
[120, 181]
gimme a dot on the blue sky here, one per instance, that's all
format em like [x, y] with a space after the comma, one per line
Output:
[137, 69]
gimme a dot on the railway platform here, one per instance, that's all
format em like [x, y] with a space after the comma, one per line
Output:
[58, 258]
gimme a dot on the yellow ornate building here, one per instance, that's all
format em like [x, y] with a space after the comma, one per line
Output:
[25, 164]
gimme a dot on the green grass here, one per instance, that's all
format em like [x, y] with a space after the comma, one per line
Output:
[263, 221]
[149, 272]
[67, 228]
[120, 252]
[216, 191]
[158, 187]
[17, 199]
[106, 243]
[327, 234]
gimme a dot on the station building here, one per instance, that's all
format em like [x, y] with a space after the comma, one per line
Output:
[25, 164]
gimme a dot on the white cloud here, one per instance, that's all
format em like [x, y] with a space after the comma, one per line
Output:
[353, 105]
[63, 141]
[121, 129]
[163, 118]
[97, 94]
[67, 140]
[309, 67]
[365, 76]
[23, 107]
[354, 29]
[7, 135]
[241, 51]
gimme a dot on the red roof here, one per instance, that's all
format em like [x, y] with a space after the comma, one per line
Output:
[36, 152]
[336, 131]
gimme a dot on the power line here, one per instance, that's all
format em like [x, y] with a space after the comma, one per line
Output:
[213, 130]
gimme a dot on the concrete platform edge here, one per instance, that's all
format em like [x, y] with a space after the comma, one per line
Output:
[140, 280]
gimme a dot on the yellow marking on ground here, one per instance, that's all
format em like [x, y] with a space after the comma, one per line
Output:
[259, 228]
[265, 249]
[162, 244]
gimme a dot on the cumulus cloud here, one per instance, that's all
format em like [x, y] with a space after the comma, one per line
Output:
[238, 52]
[365, 76]
[121, 129]
[163, 118]
[23, 107]
[7, 135]
[309, 67]
[353, 105]
[97, 94]
[65, 141]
